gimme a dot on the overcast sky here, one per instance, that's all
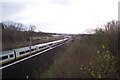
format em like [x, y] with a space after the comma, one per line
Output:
[61, 16]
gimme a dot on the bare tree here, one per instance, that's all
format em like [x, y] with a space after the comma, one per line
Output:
[32, 28]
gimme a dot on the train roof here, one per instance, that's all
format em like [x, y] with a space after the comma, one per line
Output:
[6, 52]
[33, 46]
[41, 44]
[23, 48]
[57, 41]
[48, 43]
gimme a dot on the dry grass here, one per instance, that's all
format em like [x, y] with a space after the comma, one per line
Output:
[88, 57]
[69, 64]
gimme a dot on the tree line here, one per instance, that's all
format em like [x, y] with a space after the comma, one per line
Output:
[17, 35]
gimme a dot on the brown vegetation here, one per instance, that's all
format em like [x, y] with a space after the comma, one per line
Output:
[93, 56]
[16, 36]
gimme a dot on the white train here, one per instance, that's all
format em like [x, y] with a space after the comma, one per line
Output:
[15, 54]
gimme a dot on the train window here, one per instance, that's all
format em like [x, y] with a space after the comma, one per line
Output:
[4, 57]
[21, 52]
[50, 44]
[27, 51]
[40, 47]
[11, 55]
[32, 49]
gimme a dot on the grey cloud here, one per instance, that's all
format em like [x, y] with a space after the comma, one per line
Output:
[9, 9]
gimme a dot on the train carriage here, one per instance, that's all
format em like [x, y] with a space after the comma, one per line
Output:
[7, 56]
[41, 47]
[57, 42]
[33, 49]
[22, 52]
